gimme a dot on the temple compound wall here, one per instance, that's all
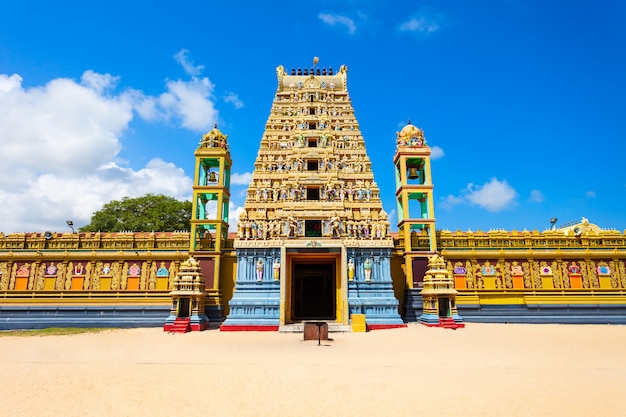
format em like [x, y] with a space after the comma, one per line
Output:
[124, 279]
[558, 276]
[87, 279]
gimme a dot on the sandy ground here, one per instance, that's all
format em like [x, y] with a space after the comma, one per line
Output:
[483, 370]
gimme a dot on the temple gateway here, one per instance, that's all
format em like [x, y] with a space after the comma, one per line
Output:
[313, 243]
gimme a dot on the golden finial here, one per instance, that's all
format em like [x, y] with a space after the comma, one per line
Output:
[315, 60]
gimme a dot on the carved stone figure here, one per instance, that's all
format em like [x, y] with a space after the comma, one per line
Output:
[351, 269]
[334, 226]
[259, 270]
[293, 226]
[276, 268]
[367, 267]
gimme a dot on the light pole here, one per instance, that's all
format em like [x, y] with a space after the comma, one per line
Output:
[553, 223]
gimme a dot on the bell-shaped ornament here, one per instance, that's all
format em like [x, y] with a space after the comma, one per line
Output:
[413, 173]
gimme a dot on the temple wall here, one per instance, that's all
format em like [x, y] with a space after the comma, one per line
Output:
[535, 261]
[228, 276]
[398, 277]
[124, 279]
[538, 277]
[95, 279]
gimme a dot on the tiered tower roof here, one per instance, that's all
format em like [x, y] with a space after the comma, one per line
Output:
[312, 165]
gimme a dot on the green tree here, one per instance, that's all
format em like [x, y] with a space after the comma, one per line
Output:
[149, 213]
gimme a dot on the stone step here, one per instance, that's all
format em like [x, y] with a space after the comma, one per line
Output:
[333, 327]
[180, 326]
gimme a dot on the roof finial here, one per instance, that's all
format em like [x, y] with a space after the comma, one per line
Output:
[408, 122]
[215, 126]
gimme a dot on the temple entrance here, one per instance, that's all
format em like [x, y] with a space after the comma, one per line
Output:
[183, 307]
[313, 294]
[444, 307]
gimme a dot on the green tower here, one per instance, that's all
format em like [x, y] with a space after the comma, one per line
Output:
[416, 211]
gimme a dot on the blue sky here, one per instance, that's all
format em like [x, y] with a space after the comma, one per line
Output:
[524, 102]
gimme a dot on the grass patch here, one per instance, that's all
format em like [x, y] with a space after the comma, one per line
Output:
[54, 331]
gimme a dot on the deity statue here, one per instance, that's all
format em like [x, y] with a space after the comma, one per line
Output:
[51, 269]
[367, 266]
[259, 270]
[300, 140]
[162, 271]
[350, 228]
[133, 271]
[276, 268]
[334, 226]
[293, 226]
[351, 269]
[260, 232]
[240, 229]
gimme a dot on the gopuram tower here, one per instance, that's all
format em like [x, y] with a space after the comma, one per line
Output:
[313, 240]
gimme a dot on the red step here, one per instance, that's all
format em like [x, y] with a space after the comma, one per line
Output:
[179, 326]
[449, 323]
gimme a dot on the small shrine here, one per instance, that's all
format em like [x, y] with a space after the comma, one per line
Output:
[188, 299]
[439, 296]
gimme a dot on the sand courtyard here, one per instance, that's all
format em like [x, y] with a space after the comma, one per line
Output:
[482, 370]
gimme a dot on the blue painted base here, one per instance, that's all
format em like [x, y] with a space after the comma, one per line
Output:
[255, 303]
[376, 300]
[457, 318]
[558, 314]
[519, 313]
[431, 319]
[170, 320]
[199, 320]
[41, 317]
[413, 304]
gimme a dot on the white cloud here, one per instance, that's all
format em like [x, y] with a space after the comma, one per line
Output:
[436, 152]
[493, 196]
[62, 127]
[450, 201]
[60, 143]
[241, 179]
[536, 196]
[233, 216]
[590, 194]
[99, 82]
[191, 101]
[51, 198]
[233, 99]
[424, 21]
[336, 19]
[189, 67]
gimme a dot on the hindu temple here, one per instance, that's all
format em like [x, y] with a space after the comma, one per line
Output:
[313, 243]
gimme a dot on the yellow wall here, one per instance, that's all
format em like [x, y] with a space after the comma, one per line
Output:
[228, 275]
[399, 279]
